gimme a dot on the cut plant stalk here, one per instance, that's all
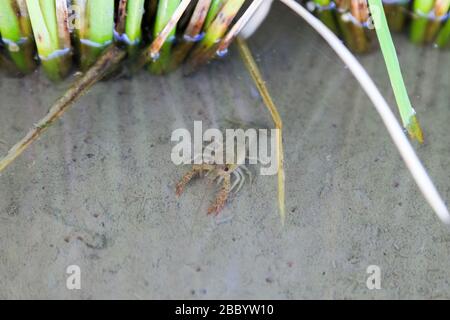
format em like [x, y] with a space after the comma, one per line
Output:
[421, 17]
[238, 26]
[107, 63]
[161, 57]
[15, 29]
[152, 53]
[129, 24]
[407, 113]
[325, 12]
[133, 25]
[350, 16]
[49, 22]
[440, 13]
[214, 9]
[152, 8]
[95, 29]
[121, 17]
[192, 34]
[342, 12]
[360, 13]
[256, 75]
[109, 60]
[6, 65]
[207, 47]
[396, 13]
[443, 38]
[187, 15]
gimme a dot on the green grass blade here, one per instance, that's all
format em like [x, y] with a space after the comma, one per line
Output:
[406, 110]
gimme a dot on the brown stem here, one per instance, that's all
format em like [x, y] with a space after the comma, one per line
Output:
[192, 31]
[359, 11]
[151, 52]
[122, 15]
[111, 58]
[253, 69]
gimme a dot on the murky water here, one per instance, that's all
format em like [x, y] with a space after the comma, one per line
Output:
[97, 190]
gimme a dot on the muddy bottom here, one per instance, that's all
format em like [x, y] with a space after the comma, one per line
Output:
[97, 190]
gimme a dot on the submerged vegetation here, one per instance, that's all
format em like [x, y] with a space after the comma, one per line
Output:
[56, 32]
[96, 36]
[426, 21]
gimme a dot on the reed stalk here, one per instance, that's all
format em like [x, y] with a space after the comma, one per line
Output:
[133, 25]
[255, 73]
[214, 9]
[49, 22]
[17, 35]
[244, 19]
[152, 52]
[439, 13]
[360, 12]
[443, 38]
[109, 60]
[351, 16]
[129, 24]
[166, 9]
[343, 8]
[207, 47]
[407, 113]
[396, 14]
[419, 23]
[192, 34]
[325, 13]
[95, 29]
[107, 63]
[6, 65]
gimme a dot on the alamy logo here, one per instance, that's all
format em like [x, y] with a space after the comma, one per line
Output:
[73, 281]
[374, 280]
[255, 146]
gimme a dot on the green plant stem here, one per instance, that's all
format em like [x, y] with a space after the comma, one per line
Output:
[419, 23]
[326, 14]
[443, 38]
[51, 44]
[395, 15]
[216, 6]
[440, 11]
[166, 9]
[96, 29]
[206, 49]
[191, 33]
[6, 64]
[353, 34]
[16, 32]
[133, 27]
[407, 113]
[343, 6]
